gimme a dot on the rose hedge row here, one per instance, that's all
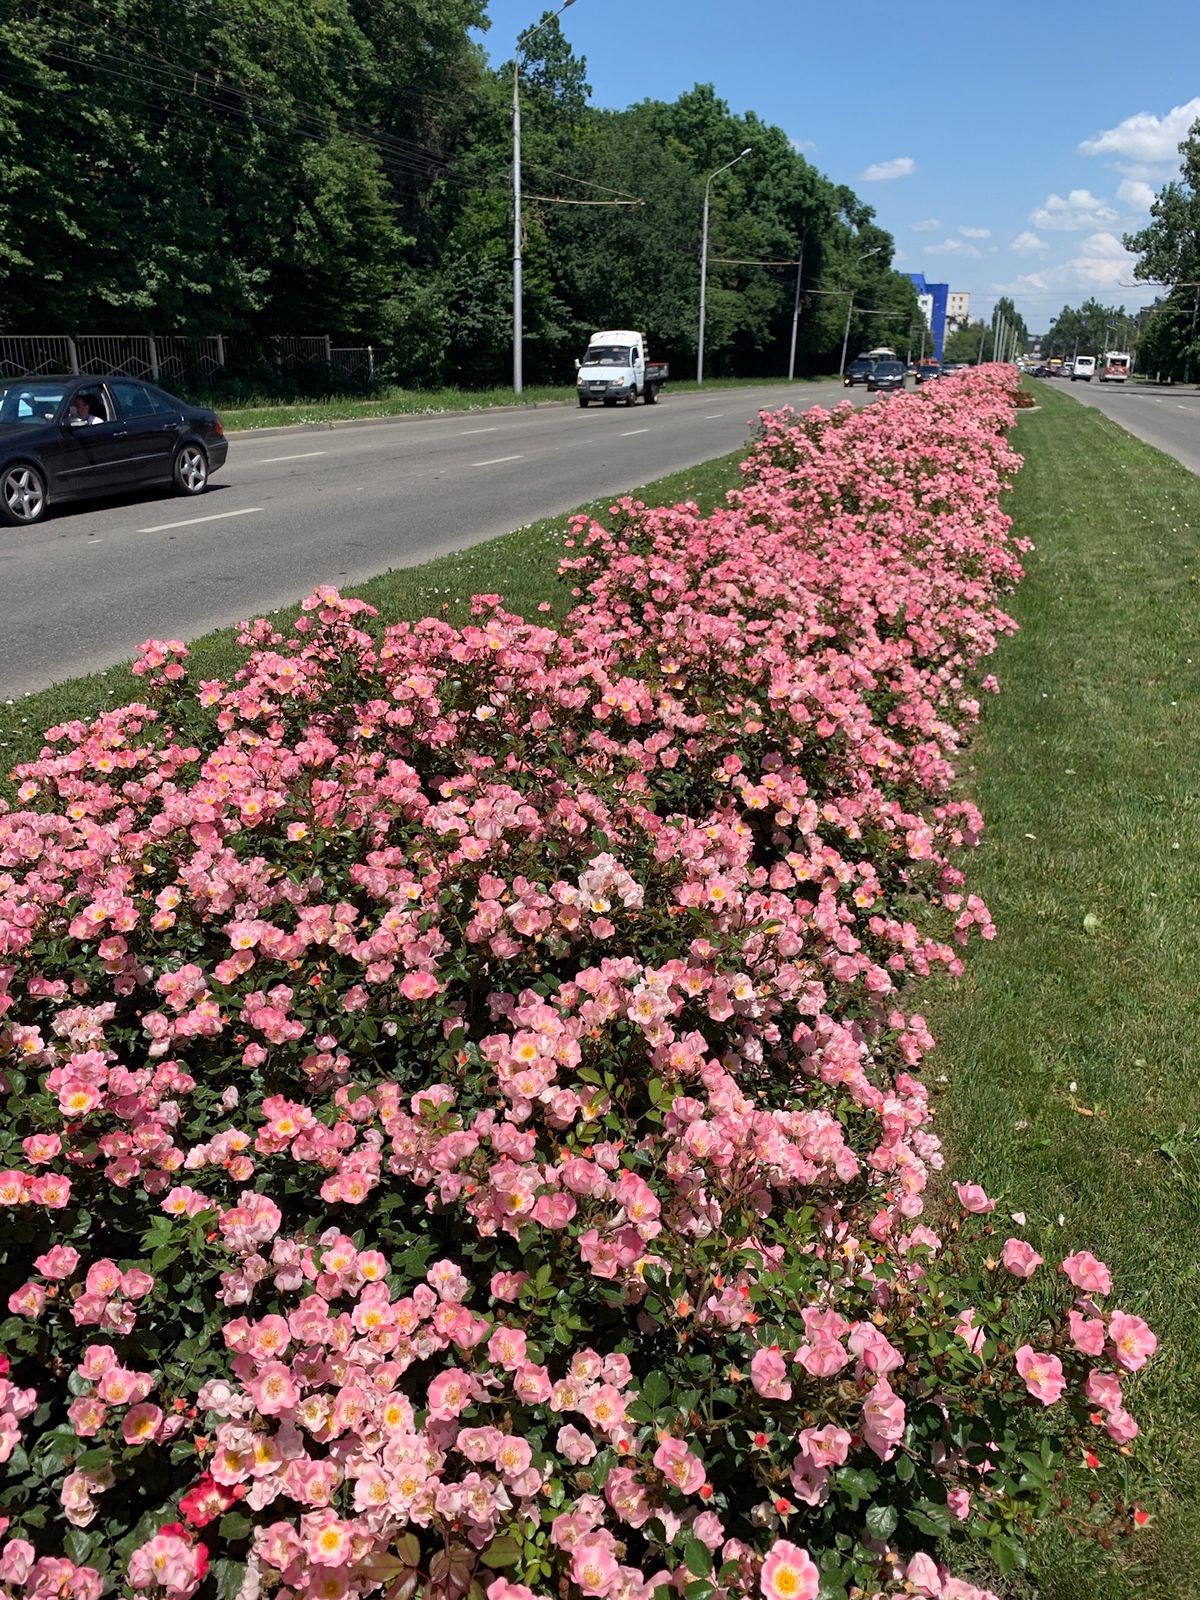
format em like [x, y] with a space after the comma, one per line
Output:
[464, 1126]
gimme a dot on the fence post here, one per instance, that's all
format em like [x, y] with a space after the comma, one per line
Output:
[221, 351]
[153, 360]
[370, 365]
[72, 356]
[329, 352]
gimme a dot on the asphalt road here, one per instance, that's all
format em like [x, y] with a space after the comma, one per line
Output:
[296, 508]
[1166, 417]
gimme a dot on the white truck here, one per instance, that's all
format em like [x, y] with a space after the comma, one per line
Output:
[617, 368]
[1117, 364]
[1084, 369]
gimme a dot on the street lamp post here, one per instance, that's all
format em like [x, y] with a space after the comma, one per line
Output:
[518, 288]
[796, 314]
[704, 259]
[850, 308]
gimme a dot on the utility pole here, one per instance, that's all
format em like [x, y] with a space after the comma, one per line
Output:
[796, 314]
[982, 336]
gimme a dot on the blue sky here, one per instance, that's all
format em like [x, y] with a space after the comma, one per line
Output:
[1006, 148]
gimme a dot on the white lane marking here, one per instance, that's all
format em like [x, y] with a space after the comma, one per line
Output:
[1182, 408]
[217, 516]
[632, 431]
[714, 416]
[302, 455]
[496, 460]
[496, 429]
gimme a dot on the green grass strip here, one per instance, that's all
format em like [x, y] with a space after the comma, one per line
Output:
[236, 418]
[521, 566]
[1071, 1048]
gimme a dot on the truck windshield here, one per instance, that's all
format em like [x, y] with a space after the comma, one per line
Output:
[607, 355]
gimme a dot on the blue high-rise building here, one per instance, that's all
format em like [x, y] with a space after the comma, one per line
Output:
[933, 297]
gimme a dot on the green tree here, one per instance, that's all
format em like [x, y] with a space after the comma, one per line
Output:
[1168, 251]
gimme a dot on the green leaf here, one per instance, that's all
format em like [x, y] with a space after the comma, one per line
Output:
[655, 1390]
[502, 1552]
[235, 1525]
[228, 1576]
[697, 1558]
[881, 1521]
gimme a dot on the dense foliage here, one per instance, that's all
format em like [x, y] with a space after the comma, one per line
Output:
[1088, 330]
[464, 1125]
[208, 166]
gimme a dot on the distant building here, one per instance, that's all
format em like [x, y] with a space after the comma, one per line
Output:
[932, 298]
[958, 309]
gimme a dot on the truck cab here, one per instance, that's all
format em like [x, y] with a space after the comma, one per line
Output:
[616, 367]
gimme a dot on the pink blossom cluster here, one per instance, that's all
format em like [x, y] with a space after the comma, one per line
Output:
[464, 1034]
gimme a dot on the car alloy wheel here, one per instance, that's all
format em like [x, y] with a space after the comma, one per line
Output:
[22, 495]
[191, 469]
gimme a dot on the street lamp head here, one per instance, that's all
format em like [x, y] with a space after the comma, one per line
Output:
[748, 148]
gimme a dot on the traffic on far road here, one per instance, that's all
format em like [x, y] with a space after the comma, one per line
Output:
[76, 438]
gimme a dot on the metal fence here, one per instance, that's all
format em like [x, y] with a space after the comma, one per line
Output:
[188, 362]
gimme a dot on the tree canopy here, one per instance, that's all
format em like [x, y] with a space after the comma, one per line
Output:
[1168, 251]
[344, 167]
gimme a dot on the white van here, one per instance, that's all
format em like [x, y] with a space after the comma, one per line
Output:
[617, 367]
[1116, 366]
[1085, 368]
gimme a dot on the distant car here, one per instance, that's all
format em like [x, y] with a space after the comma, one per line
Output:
[927, 371]
[1084, 369]
[859, 371]
[75, 437]
[888, 376]
[1067, 369]
[951, 367]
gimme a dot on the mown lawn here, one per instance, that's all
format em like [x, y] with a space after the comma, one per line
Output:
[1071, 1049]
[521, 566]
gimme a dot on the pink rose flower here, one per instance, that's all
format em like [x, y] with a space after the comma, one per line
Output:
[789, 1573]
[1019, 1258]
[1043, 1374]
[1133, 1341]
[1087, 1274]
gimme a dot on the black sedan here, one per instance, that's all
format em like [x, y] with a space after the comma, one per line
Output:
[71, 438]
[888, 377]
[859, 371]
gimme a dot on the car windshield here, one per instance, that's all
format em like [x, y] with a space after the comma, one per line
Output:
[30, 402]
[607, 355]
[887, 369]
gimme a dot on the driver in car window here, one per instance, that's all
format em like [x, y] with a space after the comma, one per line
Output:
[83, 411]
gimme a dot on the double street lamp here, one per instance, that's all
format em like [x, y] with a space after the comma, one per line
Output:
[704, 258]
[850, 309]
[518, 319]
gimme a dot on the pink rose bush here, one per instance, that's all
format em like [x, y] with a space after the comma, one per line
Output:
[465, 1134]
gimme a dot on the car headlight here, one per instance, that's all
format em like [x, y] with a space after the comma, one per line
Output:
[620, 379]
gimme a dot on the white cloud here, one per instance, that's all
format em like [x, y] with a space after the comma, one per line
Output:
[953, 247]
[884, 171]
[1028, 243]
[927, 225]
[1101, 266]
[1145, 137]
[975, 233]
[1102, 262]
[803, 146]
[1081, 209]
[1134, 192]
